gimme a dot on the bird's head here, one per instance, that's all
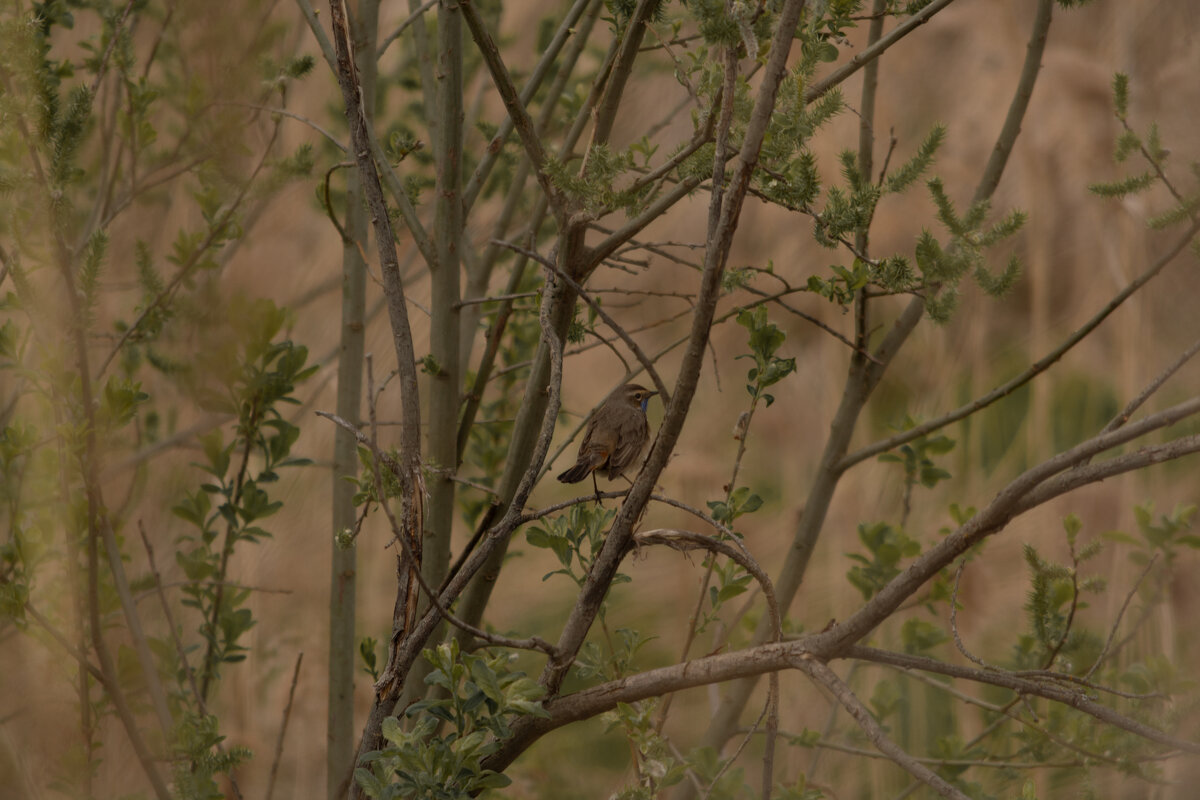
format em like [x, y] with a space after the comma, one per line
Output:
[637, 395]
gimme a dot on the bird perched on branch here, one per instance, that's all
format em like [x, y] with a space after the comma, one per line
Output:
[615, 436]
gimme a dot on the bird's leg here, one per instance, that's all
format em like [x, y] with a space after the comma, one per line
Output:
[596, 486]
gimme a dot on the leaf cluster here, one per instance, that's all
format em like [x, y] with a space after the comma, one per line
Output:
[916, 457]
[886, 546]
[439, 754]
[1149, 146]
[575, 538]
[765, 340]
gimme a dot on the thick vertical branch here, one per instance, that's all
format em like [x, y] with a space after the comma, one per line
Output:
[425, 63]
[531, 414]
[339, 754]
[348, 80]
[410, 435]
[866, 163]
[445, 328]
[614, 89]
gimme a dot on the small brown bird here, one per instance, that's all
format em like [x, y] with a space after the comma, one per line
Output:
[615, 436]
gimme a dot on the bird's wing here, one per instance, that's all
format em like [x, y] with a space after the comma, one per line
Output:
[632, 433]
[598, 443]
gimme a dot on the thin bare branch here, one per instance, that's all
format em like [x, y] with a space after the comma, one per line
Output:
[1038, 367]
[1120, 615]
[1150, 388]
[403, 26]
[958, 642]
[616, 327]
[546, 62]
[80, 657]
[521, 120]
[822, 675]
[683, 541]
[874, 51]
[287, 715]
[1033, 486]
[180, 651]
[1068, 697]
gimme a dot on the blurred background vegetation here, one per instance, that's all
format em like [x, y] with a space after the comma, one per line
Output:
[277, 279]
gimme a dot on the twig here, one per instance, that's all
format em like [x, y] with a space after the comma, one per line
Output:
[1152, 387]
[102, 69]
[329, 137]
[1054, 651]
[827, 731]
[79, 656]
[498, 298]
[728, 762]
[683, 541]
[180, 652]
[824, 676]
[958, 642]
[1024, 686]
[874, 51]
[532, 643]
[629, 341]
[1040, 366]
[141, 646]
[287, 714]
[1120, 614]
[409, 20]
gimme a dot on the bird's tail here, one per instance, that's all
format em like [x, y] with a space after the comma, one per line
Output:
[576, 473]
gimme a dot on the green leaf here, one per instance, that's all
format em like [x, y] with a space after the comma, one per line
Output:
[1126, 186]
[919, 636]
[1120, 86]
[373, 787]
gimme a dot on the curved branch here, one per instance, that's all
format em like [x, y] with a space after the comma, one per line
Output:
[688, 540]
